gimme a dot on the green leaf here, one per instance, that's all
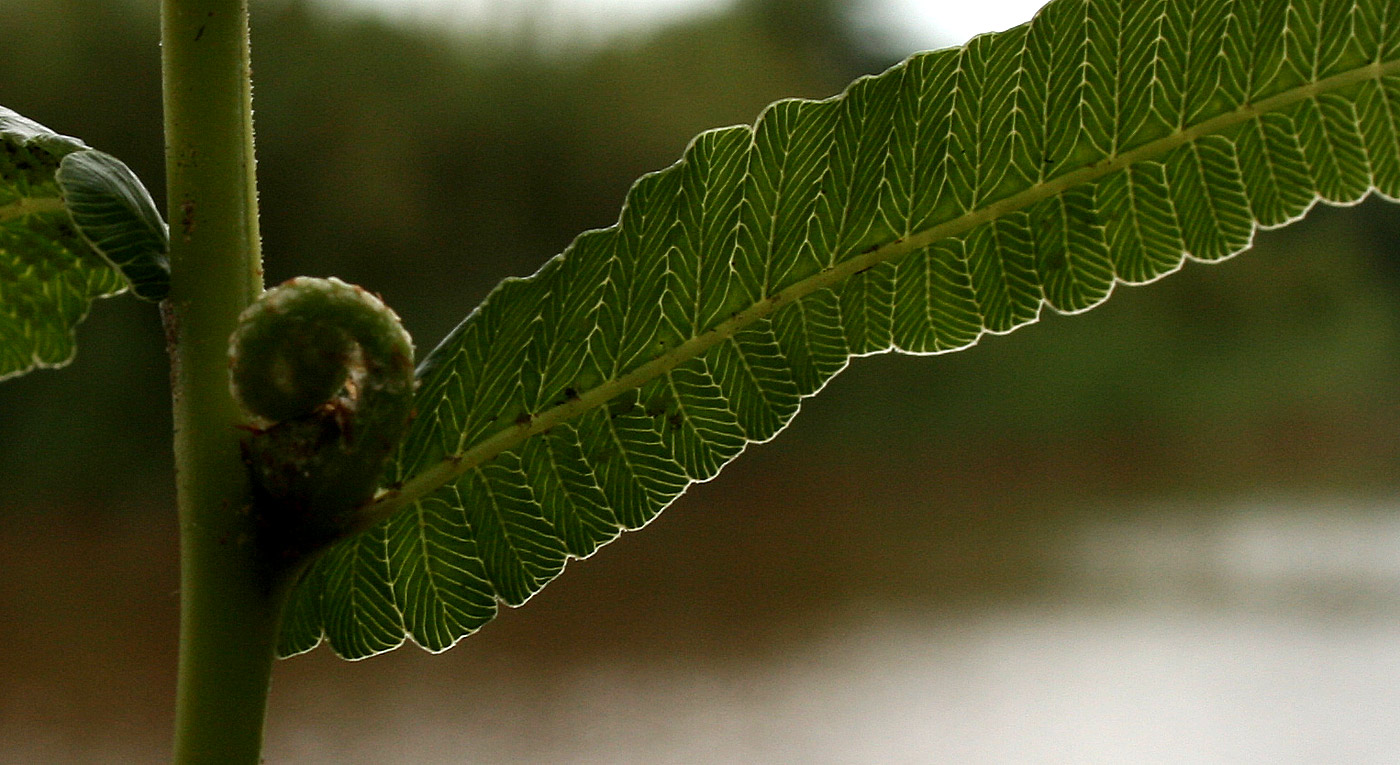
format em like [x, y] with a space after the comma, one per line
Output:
[75, 225]
[117, 218]
[956, 194]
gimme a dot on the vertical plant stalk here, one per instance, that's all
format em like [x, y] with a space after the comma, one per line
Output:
[230, 603]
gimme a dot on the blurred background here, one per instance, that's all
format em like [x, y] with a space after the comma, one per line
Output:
[1163, 531]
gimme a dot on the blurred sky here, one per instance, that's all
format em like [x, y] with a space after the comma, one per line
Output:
[906, 24]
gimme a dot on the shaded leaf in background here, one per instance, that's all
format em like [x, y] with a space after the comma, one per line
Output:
[75, 225]
[116, 216]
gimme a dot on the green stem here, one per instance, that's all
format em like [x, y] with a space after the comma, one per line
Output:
[230, 603]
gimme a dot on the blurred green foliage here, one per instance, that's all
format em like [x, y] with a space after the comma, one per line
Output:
[427, 165]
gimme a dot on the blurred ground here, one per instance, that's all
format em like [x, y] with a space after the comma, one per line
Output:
[1163, 531]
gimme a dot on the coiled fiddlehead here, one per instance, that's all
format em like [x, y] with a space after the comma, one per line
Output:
[325, 372]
